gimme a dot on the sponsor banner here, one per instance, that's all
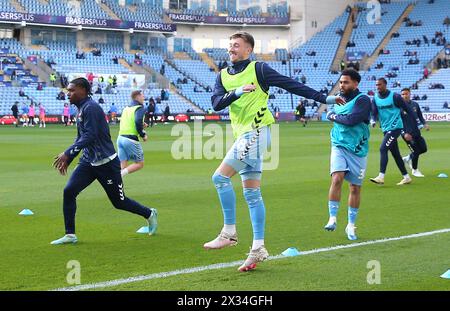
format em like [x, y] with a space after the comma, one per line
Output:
[88, 22]
[436, 116]
[355, 56]
[228, 20]
[214, 117]
[28, 78]
[123, 80]
[285, 116]
[4, 51]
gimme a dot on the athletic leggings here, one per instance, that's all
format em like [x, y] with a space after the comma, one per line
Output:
[390, 143]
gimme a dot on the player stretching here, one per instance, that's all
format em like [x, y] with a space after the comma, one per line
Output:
[412, 135]
[350, 145]
[131, 127]
[386, 106]
[244, 88]
[98, 162]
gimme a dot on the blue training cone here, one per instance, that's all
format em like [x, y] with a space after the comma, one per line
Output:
[143, 230]
[291, 251]
[442, 175]
[446, 275]
[26, 212]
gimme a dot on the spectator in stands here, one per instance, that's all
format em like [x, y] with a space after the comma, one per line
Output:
[396, 84]
[342, 65]
[114, 80]
[340, 32]
[303, 79]
[433, 86]
[370, 35]
[426, 73]
[447, 21]
[61, 96]
[15, 112]
[90, 78]
[80, 55]
[209, 89]
[163, 94]
[371, 93]
[311, 53]
[21, 93]
[50, 61]
[445, 106]
[110, 81]
[196, 90]
[395, 35]
[315, 65]
[185, 80]
[424, 97]
[137, 55]
[97, 52]
[63, 80]
[348, 9]
[39, 87]
[413, 61]
[101, 100]
[115, 60]
[99, 90]
[426, 108]
[415, 86]
[324, 90]
[162, 70]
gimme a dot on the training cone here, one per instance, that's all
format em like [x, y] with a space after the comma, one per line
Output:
[26, 212]
[291, 251]
[442, 175]
[446, 275]
[143, 230]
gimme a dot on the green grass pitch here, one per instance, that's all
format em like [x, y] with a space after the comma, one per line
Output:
[295, 196]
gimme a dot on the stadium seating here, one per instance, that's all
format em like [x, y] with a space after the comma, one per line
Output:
[148, 11]
[432, 16]
[436, 97]
[5, 6]
[85, 8]
[310, 59]
[390, 14]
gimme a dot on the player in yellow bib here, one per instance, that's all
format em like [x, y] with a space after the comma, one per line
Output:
[244, 89]
[131, 128]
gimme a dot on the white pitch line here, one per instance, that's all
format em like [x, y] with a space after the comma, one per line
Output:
[237, 263]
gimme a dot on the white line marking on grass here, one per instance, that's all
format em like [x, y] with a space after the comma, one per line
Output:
[237, 263]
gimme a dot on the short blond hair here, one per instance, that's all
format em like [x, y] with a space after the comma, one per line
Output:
[244, 36]
[135, 94]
